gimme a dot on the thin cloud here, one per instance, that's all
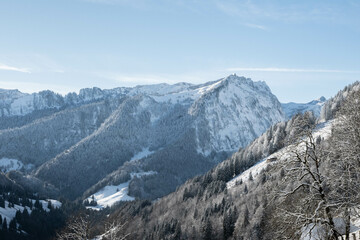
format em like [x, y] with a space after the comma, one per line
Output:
[275, 10]
[133, 80]
[261, 27]
[15, 69]
[130, 80]
[139, 4]
[107, 1]
[298, 70]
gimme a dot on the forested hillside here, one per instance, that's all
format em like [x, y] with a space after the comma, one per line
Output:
[294, 192]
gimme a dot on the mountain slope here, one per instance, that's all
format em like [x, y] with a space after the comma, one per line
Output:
[44, 138]
[232, 114]
[206, 200]
[239, 198]
[331, 106]
[290, 109]
[15, 103]
[187, 128]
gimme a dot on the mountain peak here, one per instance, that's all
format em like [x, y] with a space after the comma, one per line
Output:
[234, 77]
[314, 106]
[248, 81]
[231, 109]
[322, 99]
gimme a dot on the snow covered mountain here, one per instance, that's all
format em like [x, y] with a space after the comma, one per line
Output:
[16, 103]
[232, 112]
[240, 198]
[100, 135]
[291, 108]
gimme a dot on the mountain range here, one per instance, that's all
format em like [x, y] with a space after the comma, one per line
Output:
[103, 137]
[243, 196]
[92, 137]
[210, 155]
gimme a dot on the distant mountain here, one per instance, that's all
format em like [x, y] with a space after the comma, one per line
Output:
[290, 109]
[16, 103]
[89, 138]
[233, 195]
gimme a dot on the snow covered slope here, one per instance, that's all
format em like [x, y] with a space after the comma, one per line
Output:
[195, 125]
[109, 195]
[9, 213]
[232, 112]
[89, 135]
[229, 112]
[324, 130]
[290, 109]
[8, 164]
[15, 103]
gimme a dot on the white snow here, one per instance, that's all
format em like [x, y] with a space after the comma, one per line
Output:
[235, 115]
[54, 204]
[316, 232]
[9, 213]
[324, 130]
[143, 153]
[314, 106]
[111, 194]
[8, 164]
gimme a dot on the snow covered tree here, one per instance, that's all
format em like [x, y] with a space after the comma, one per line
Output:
[344, 157]
[229, 220]
[306, 203]
[77, 229]
[246, 220]
[324, 177]
[113, 231]
[207, 230]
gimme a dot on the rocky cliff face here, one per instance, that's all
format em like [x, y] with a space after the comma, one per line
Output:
[233, 112]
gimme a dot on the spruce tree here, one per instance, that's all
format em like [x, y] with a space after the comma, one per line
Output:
[4, 225]
[207, 230]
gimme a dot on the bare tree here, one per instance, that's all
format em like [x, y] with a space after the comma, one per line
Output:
[77, 229]
[114, 231]
[323, 178]
[306, 203]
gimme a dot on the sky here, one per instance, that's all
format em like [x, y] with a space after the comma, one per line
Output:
[301, 49]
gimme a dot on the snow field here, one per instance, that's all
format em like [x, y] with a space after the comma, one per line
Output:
[9, 213]
[109, 195]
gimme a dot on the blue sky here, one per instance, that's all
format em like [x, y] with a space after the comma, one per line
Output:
[302, 49]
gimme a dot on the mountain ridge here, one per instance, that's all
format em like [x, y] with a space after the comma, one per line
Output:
[95, 134]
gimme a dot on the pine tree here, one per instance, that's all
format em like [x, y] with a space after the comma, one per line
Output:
[2, 202]
[12, 225]
[38, 205]
[18, 216]
[229, 223]
[4, 225]
[245, 189]
[246, 217]
[49, 206]
[177, 234]
[207, 230]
